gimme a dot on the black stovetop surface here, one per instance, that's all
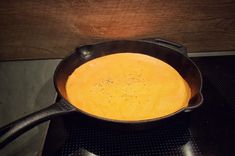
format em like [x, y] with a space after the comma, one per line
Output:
[208, 130]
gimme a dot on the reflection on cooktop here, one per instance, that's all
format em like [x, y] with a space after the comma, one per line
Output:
[173, 139]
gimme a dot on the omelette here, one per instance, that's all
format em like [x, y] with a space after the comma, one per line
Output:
[128, 87]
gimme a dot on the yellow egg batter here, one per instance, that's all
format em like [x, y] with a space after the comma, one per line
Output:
[127, 86]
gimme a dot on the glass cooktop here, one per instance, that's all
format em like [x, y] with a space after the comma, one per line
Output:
[208, 130]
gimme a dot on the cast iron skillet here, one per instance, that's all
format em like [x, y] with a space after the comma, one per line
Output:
[172, 53]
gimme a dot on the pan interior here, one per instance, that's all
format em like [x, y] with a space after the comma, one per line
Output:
[179, 62]
[127, 86]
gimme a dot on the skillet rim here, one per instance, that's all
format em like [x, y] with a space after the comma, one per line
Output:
[184, 109]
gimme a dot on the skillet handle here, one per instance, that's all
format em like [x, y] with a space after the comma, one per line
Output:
[195, 102]
[11, 131]
[169, 44]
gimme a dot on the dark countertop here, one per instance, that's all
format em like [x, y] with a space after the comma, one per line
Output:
[25, 87]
